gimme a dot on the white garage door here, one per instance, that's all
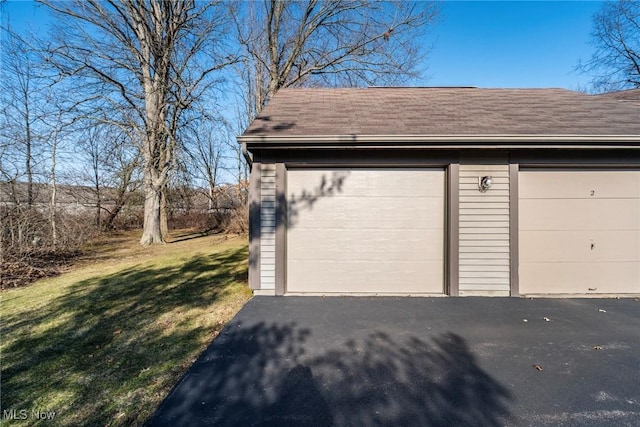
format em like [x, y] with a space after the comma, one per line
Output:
[365, 231]
[579, 232]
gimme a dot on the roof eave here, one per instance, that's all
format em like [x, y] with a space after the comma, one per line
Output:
[441, 141]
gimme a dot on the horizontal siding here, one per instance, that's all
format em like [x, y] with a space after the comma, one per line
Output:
[486, 261]
[484, 231]
[485, 224]
[268, 226]
[486, 249]
[480, 255]
[480, 268]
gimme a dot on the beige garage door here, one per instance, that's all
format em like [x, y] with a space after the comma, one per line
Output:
[579, 232]
[365, 231]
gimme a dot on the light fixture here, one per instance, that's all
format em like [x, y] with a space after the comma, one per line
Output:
[484, 183]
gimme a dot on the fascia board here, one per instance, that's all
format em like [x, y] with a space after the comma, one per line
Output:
[442, 141]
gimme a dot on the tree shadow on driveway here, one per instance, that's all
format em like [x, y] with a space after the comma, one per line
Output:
[263, 374]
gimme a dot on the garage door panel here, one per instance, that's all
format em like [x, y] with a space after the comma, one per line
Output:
[376, 280]
[579, 231]
[570, 246]
[363, 212]
[367, 243]
[365, 183]
[579, 278]
[382, 232]
[579, 184]
[597, 214]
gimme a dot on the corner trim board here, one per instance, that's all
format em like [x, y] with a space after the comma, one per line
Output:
[453, 229]
[281, 226]
[514, 170]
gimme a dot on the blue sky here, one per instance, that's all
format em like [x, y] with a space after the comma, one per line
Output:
[511, 44]
[476, 43]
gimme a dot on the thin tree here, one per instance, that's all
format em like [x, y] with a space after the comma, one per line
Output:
[111, 167]
[205, 155]
[54, 142]
[616, 38]
[92, 147]
[20, 86]
[140, 65]
[238, 167]
[328, 43]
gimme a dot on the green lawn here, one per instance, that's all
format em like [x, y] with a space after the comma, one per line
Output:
[105, 343]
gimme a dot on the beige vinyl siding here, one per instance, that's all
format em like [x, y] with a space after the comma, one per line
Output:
[484, 231]
[268, 227]
[368, 231]
[579, 232]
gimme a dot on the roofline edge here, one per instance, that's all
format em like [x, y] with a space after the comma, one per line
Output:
[445, 141]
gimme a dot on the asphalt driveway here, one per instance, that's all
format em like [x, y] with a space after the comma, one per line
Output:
[302, 361]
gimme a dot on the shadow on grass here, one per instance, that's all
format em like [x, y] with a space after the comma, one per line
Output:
[262, 375]
[182, 237]
[106, 345]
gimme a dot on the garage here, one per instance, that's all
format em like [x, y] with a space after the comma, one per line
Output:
[445, 191]
[365, 230]
[579, 231]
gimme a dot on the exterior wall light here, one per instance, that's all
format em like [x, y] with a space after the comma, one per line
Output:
[484, 183]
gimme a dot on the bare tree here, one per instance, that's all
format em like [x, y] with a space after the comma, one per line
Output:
[54, 142]
[616, 38]
[111, 167]
[140, 65]
[205, 154]
[328, 43]
[92, 146]
[20, 86]
[238, 167]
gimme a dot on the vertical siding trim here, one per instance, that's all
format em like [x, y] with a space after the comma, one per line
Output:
[514, 257]
[453, 229]
[281, 224]
[254, 226]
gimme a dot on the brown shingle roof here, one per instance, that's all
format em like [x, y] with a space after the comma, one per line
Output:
[445, 111]
[631, 95]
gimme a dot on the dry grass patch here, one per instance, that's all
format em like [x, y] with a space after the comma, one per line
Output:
[105, 343]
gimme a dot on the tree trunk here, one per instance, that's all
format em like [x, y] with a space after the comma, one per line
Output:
[109, 222]
[96, 178]
[28, 159]
[98, 209]
[152, 232]
[119, 203]
[54, 191]
[164, 216]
